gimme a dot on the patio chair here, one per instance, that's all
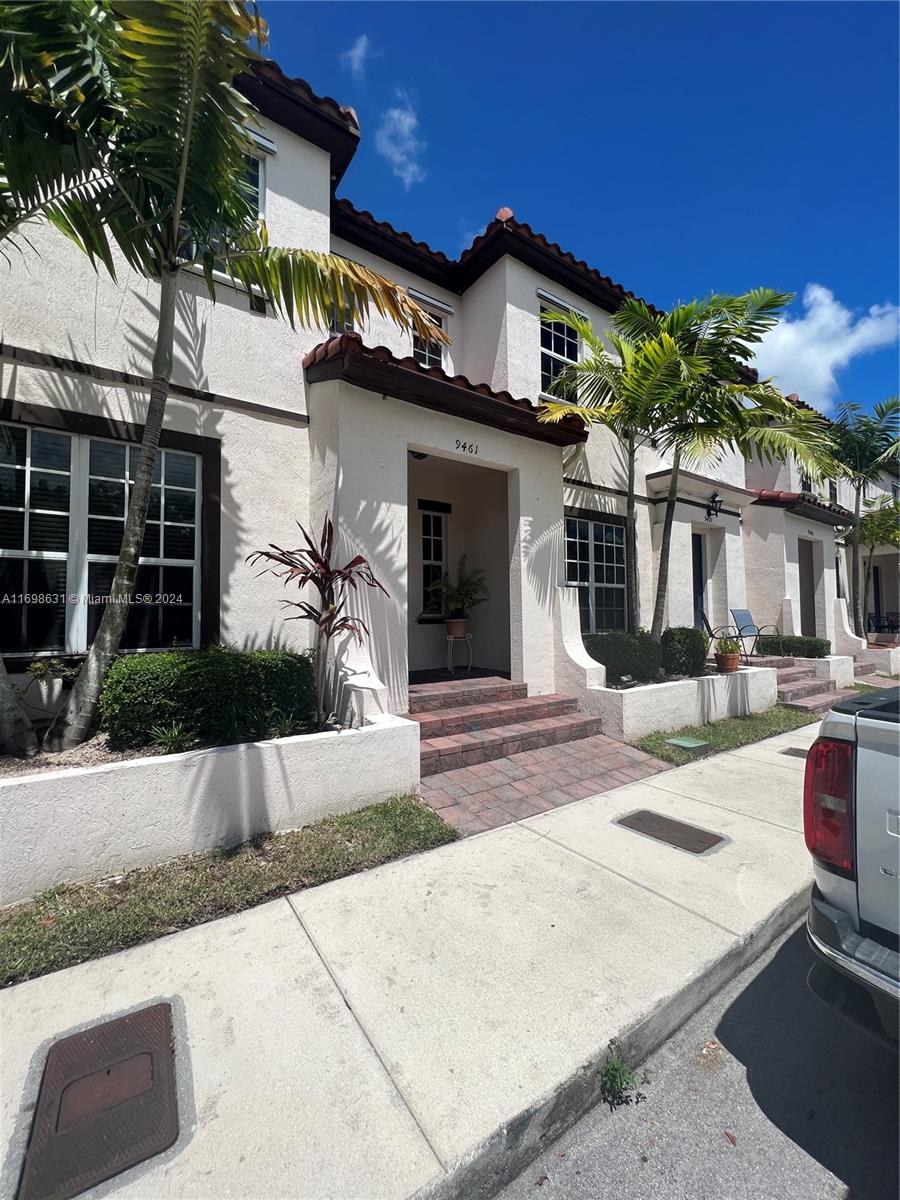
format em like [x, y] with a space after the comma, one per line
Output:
[747, 628]
[719, 631]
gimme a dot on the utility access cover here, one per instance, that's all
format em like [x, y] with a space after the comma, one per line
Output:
[107, 1102]
[672, 832]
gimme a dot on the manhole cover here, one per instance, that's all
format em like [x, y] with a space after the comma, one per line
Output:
[794, 752]
[107, 1102]
[673, 833]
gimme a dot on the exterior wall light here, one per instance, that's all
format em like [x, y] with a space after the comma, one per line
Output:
[714, 506]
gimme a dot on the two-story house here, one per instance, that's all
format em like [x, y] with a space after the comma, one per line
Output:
[420, 453]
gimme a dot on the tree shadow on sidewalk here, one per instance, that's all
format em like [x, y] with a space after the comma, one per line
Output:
[826, 1084]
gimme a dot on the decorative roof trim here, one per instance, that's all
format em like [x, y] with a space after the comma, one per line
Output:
[378, 370]
[293, 104]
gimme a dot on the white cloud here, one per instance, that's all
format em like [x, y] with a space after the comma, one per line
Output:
[397, 141]
[354, 59]
[803, 354]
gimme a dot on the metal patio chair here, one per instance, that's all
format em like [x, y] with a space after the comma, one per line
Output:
[747, 628]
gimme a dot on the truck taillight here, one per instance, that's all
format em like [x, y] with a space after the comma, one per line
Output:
[828, 804]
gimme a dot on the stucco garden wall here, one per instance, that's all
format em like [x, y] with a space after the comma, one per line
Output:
[75, 825]
[634, 712]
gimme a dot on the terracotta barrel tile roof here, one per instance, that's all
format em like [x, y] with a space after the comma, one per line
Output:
[779, 499]
[351, 345]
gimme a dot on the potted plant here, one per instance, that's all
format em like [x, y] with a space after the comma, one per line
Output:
[728, 655]
[458, 598]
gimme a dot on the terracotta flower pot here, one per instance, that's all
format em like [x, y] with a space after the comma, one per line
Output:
[726, 663]
[456, 626]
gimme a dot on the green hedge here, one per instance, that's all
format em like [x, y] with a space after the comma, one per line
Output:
[631, 654]
[793, 647]
[684, 650]
[220, 695]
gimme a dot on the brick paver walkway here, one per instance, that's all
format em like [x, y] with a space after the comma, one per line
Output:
[495, 793]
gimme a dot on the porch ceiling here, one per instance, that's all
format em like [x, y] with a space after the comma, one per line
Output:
[378, 370]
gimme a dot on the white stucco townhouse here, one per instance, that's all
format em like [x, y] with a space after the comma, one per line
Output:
[420, 453]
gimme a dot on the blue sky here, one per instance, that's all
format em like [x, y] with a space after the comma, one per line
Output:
[678, 147]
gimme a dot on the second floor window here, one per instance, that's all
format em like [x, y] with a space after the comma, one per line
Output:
[832, 492]
[340, 322]
[426, 352]
[559, 348]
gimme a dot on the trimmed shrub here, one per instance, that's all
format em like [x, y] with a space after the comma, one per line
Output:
[634, 654]
[788, 646]
[219, 695]
[684, 650]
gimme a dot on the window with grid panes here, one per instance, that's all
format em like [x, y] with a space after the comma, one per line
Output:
[559, 348]
[595, 564]
[428, 353]
[434, 559]
[63, 501]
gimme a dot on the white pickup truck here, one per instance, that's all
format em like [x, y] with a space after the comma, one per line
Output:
[851, 819]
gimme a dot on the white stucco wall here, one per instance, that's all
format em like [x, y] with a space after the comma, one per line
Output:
[76, 825]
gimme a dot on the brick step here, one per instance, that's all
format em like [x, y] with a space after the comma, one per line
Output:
[445, 722]
[468, 749]
[878, 681]
[821, 703]
[804, 687]
[458, 693]
[771, 661]
[792, 674]
[865, 668]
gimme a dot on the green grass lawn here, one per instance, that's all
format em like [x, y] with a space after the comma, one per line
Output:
[76, 922]
[727, 734]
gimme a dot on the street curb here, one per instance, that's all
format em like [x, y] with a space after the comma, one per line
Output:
[506, 1152]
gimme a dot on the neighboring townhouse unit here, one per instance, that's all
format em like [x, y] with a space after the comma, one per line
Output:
[420, 453]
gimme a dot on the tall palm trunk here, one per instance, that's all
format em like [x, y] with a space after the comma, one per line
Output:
[78, 719]
[662, 579]
[17, 734]
[631, 543]
[858, 624]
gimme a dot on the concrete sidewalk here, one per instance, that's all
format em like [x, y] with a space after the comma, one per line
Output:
[425, 1027]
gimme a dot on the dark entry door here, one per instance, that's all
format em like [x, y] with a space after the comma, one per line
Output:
[807, 587]
[876, 594]
[699, 570]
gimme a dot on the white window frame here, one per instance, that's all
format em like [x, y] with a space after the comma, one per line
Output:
[440, 517]
[78, 559]
[429, 354]
[546, 307]
[591, 564]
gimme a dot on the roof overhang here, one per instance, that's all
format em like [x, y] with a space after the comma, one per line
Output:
[293, 105]
[433, 389]
[807, 507]
[697, 487]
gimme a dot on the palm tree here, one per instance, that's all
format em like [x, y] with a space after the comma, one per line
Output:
[866, 443]
[625, 388]
[146, 157]
[878, 526]
[718, 407]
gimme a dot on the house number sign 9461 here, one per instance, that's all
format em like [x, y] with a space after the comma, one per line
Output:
[467, 447]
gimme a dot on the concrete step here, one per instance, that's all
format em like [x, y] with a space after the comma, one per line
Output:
[821, 703]
[792, 674]
[468, 749]
[771, 661]
[458, 693]
[445, 722]
[804, 687]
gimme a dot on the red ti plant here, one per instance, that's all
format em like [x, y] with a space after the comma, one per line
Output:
[311, 566]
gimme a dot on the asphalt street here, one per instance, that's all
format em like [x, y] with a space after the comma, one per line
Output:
[765, 1093]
